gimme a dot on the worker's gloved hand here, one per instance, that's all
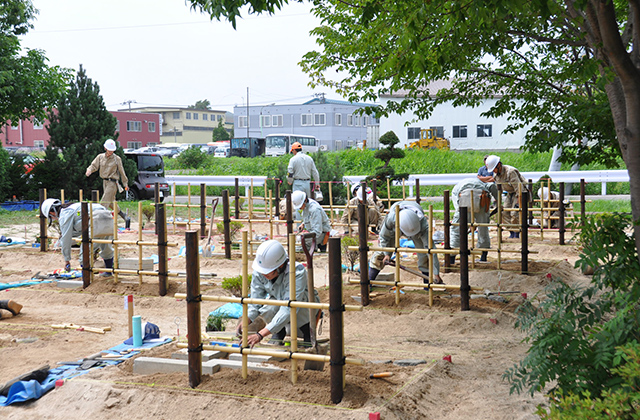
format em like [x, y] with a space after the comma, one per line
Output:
[386, 259]
[493, 212]
[67, 267]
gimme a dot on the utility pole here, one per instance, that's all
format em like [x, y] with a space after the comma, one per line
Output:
[247, 111]
[129, 102]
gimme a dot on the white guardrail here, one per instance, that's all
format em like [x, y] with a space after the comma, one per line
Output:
[602, 177]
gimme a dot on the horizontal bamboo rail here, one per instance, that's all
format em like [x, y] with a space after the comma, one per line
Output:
[135, 272]
[293, 303]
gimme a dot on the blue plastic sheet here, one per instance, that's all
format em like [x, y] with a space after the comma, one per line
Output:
[20, 205]
[406, 243]
[4, 286]
[231, 309]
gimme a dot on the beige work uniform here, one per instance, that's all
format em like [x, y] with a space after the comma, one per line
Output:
[111, 171]
[509, 178]
[374, 212]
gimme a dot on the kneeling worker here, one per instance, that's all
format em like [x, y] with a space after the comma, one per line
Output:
[314, 219]
[482, 193]
[415, 226]
[70, 219]
[270, 280]
[374, 208]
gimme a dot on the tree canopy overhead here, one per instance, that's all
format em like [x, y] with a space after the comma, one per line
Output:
[568, 69]
[27, 85]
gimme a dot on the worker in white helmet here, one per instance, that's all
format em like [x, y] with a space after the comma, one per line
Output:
[69, 217]
[508, 178]
[413, 225]
[482, 193]
[270, 280]
[374, 208]
[314, 219]
[551, 199]
[301, 170]
[112, 172]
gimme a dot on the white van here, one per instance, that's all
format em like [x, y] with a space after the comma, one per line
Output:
[222, 151]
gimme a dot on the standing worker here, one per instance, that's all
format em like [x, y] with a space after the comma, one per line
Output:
[270, 280]
[415, 226]
[484, 174]
[69, 217]
[374, 209]
[111, 172]
[482, 193]
[314, 219]
[300, 170]
[509, 178]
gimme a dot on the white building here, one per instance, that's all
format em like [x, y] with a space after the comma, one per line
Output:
[465, 128]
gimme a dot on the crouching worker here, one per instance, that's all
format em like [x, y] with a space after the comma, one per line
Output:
[314, 219]
[482, 193]
[551, 200]
[374, 209]
[270, 280]
[69, 216]
[9, 308]
[415, 226]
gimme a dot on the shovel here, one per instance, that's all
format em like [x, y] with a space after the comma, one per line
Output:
[206, 251]
[315, 349]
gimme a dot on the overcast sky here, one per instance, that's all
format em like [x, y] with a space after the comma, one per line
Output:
[160, 53]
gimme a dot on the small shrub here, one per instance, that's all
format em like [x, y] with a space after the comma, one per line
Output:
[234, 228]
[148, 210]
[234, 284]
[350, 257]
[216, 322]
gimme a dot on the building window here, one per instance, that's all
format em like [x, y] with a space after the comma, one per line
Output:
[356, 120]
[459, 131]
[176, 115]
[413, 133]
[39, 144]
[117, 125]
[338, 119]
[14, 127]
[37, 125]
[306, 119]
[350, 120]
[204, 117]
[134, 125]
[152, 143]
[195, 115]
[276, 121]
[218, 117]
[134, 144]
[365, 120]
[319, 119]
[439, 131]
[188, 116]
[265, 120]
[152, 126]
[242, 122]
[485, 130]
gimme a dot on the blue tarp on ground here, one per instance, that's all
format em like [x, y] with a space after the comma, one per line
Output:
[32, 390]
[20, 205]
[231, 309]
[4, 286]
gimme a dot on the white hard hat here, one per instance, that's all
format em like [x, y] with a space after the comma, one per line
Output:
[297, 199]
[409, 222]
[269, 256]
[355, 191]
[491, 162]
[110, 145]
[47, 204]
[543, 193]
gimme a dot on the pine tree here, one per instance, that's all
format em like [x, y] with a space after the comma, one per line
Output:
[78, 128]
[390, 139]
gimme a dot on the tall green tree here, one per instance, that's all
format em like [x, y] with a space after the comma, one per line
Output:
[203, 105]
[220, 133]
[27, 85]
[569, 68]
[386, 154]
[78, 128]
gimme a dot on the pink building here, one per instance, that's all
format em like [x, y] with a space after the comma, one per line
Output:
[135, 129]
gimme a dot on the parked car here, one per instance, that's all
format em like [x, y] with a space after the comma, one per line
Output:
[222, 151]
[208, 149]
[150, 171]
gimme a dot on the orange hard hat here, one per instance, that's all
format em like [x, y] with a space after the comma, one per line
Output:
[296, 146]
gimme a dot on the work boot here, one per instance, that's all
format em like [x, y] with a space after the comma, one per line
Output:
[127, 219]
[425, 281]
[512, 235]
[516, 235]
[108, 263]
[452, 259]
[373, 273]
[11, 306]
[483, 256]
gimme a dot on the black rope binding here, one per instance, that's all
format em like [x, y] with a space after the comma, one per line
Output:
[340, 362]
[195, 350]
[195, 299]
[341, 308]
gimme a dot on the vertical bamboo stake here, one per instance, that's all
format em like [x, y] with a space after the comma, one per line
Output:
[293, 318]
[388, 193]
[91, 245]
[473, 230]
[447, 227]
[188, 207]
[193, 309]
[80, 196]
[499, 204]
[397, 244]
[174, 209]
[237, 198]
[266, 213]
[115, 238]
[347, 208]
[245, 307]
[130, 314]
[364, 249]
[430, 255]
[226, 221]
[139, 246]
[62, 196]
[524, 235]
[250, 211]
[270, 215]
[333, 214]
[404, 191]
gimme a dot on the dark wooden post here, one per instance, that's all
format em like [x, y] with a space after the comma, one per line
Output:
[374, 187]
[237, 196]
[364, 249]
[289, 215]
[417, 191]
[156, 200]
[583, 201]
[277, 198]
[464, 259]
[161, 224]
[95, 196]
[524, 233]
[226, 221]
[44, 241]
[86, 249]
[447, 229]
[530, 213]
[561, 221]
[203, 211]
[336, 320]
[193, 309]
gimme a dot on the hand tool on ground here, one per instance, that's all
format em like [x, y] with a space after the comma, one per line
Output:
[380, 375]
[39, 374]
[81, 328]
[313, 318]
[206, 250]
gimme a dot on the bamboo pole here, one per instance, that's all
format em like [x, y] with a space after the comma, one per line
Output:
[293, 315]
[270, 215]
[116, 252]
[133, 272]
[397, 244]
[416, 285]
[363, 248]
[253, 301]
[121, 242]
[431, 257]
[245, 308]
[139, 246]
[499, 245]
